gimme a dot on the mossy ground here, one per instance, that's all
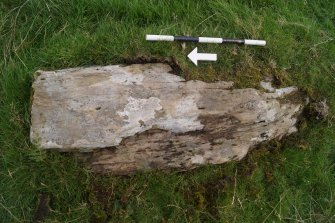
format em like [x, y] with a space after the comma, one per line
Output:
[288, 181]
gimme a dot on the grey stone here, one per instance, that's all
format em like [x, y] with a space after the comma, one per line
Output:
[140, 117]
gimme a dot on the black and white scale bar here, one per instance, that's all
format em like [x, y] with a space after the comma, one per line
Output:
[205, 40]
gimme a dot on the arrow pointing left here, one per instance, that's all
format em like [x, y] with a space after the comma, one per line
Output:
[194, 56]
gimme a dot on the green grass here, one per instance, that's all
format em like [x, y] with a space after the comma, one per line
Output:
[293, 181]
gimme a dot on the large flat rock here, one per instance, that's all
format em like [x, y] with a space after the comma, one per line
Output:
[143, 117]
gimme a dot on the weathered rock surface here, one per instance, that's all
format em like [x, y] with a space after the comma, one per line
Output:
[142, 117]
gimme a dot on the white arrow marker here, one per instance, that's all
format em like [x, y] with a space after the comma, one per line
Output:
[195, 56]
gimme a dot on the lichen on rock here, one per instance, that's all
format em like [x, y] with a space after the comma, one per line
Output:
[141, 117]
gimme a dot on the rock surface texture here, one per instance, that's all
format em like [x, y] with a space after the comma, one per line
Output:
[141, 116]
